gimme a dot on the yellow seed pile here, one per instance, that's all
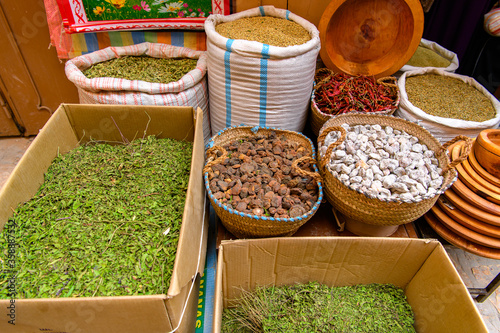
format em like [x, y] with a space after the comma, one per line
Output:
[265, 29]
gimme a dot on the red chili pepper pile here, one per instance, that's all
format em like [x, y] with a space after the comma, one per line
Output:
[338, 93]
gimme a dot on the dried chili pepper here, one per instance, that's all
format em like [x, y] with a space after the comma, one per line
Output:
[338, 93]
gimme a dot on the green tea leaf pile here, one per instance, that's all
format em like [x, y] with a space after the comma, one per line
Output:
[149, 69]
[314, 307]
[105, 222]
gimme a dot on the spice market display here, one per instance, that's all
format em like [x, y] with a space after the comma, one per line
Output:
[329, 172]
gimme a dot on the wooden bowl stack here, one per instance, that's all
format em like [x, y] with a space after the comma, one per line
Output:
[468, 214]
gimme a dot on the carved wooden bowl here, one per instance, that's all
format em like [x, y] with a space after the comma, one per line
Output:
[370, 37]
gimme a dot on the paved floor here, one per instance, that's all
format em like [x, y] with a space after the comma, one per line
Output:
[475, 271]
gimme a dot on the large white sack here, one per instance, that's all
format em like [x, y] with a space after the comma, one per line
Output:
[256, 84]
[190, 90]
[443, 52]
[445, 129]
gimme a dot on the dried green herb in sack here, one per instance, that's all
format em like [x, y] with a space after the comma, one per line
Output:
[105, 222]
[314, 307]
[338, 93]
[448, 97]
[265, 29]
[149, 69]
[425, 57]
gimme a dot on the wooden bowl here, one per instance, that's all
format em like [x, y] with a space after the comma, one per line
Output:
[470, 209]
[467, 220]
[487, 150]
[459, 241]
[481, 187]
[482, 171]
[370, 37]
[478, 178]
[464, 232]
[470, 196]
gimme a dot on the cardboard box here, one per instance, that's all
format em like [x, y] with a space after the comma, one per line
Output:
[68, 127]
[438, 296]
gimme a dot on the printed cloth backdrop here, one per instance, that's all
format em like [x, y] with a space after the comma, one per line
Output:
[82, 26]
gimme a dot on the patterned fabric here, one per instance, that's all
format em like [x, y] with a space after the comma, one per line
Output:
[69, 46]
[90, 42]
[492, 21]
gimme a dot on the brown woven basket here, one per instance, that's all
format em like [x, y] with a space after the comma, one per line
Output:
[243, 225]
[361, 208]
[318, 118]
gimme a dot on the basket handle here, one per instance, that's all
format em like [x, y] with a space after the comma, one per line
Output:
[212, 158]
[321, 139]
[383, 81]
[326, 79]
[297, 169]
[464, 153]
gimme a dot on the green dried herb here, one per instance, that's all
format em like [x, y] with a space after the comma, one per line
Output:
[314, 307]
[105, 222]
[448, 97]
[265, 29]
[149, 69]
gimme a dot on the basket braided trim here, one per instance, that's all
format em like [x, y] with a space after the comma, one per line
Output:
[243, 225]
[358, 206]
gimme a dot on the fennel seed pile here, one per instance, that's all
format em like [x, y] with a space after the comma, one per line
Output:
[425, 57]
[448, 97]
[265, 29]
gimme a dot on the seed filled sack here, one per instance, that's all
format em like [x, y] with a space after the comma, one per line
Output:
[431, 54]
[253, 83]
[458, 105]
[190, 90]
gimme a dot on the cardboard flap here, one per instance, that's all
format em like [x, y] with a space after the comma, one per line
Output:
[89, 314]
[56, 137]
[190, 260]
[440, 300]
[130, 122]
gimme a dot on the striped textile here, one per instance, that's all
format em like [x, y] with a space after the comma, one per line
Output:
[492, 22]
[84, 43]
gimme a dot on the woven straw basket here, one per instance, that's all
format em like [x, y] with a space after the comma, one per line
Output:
[357, 206]
[243, 225]
[318, 118]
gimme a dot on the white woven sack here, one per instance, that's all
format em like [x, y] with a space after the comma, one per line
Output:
[190, 90]
[445, 129]
[257, 84]
[447, 54]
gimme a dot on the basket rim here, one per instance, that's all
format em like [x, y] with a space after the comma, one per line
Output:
[302, 217]
[389, 111]
[381, 112]
[444, 187]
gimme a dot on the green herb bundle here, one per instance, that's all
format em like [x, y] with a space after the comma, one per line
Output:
[105, 222]
[314, 307]
[144, 68]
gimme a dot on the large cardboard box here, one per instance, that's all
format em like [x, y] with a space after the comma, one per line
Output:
[68, 127]
[438, 296]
